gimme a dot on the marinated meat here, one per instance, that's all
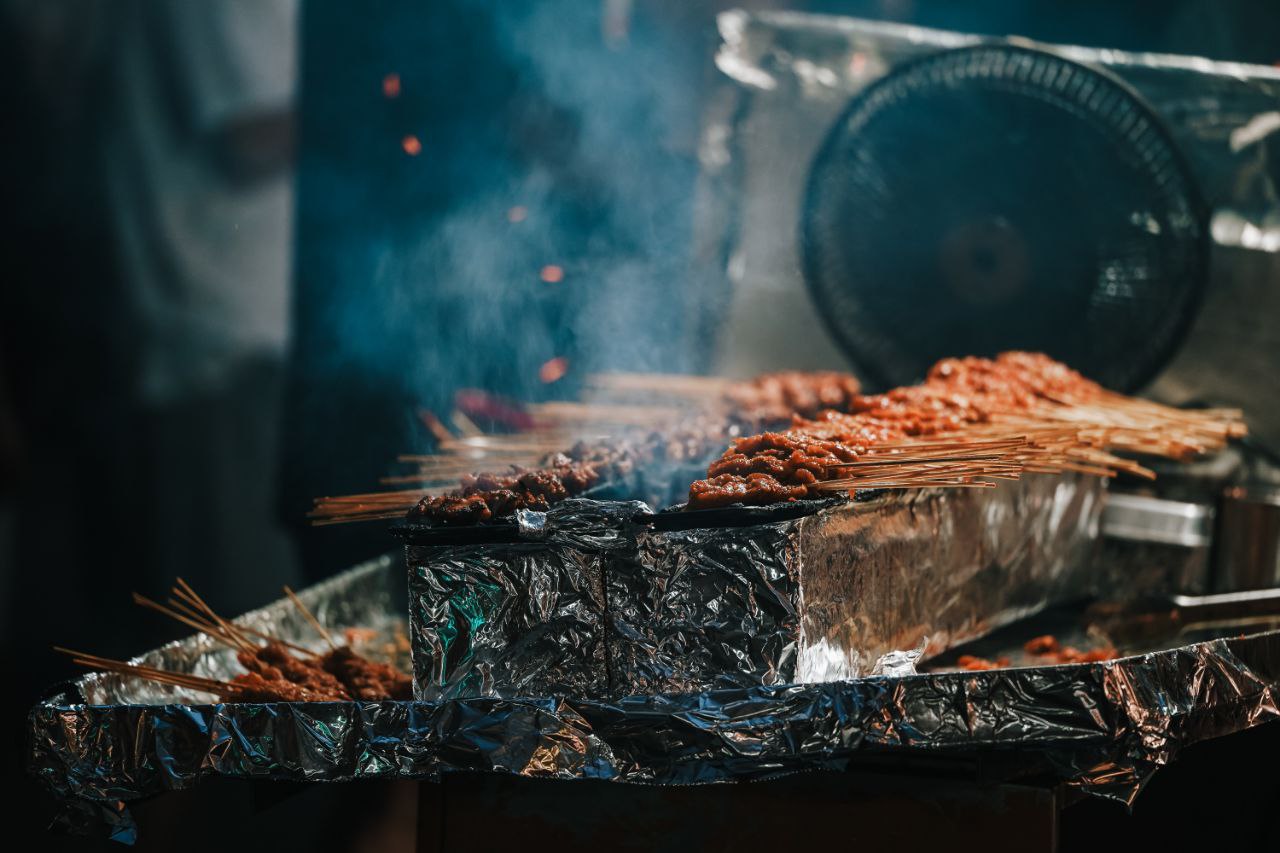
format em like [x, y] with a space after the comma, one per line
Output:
[456, 509]
[751, 490]
[276, 675]
[1044, 645]
[1045, 650]
[305, 673]
[958, 392]
[253, 687]
[775, 397]
[769, 400]
[830, 422]
[486, 496]
[366, 679]
[977, 664]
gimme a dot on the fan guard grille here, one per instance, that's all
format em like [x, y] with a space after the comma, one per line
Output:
[1001, 197]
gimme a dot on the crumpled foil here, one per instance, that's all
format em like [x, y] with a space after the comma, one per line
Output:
[519, 618]
[1223, 114]
[1102, 727]
[363, 597]
[591, 601]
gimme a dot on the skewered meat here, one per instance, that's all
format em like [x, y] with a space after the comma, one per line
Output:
[958, 391]
[254, 664]
[366, 679]
[1051, 651]
[1044, 645]
[274, 673]
[793, 457]
[253, 687]
[486, 496]
[1021, 391]
[977, 664]
[1046, 650]
[306, 673]
[751, 490]
[775, 397]
[767, 400]
[455, 509]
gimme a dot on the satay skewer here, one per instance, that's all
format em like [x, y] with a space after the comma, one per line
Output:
[164, 676]
[659, 382]
[852, 486]
[184, 590]
[1025, 414]
[310, 617]
[212, 629]
[397, 514]
[204, 627]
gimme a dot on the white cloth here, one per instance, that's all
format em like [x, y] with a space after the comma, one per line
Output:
[205, 260]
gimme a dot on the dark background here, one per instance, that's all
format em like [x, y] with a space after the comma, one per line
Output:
[411, 279]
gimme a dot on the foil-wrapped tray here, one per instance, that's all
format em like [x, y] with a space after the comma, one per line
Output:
[600, 598]
[101, 742]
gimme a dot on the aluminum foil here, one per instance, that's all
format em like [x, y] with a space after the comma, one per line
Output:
[1102, 727]
[590, 601]
[365, 597]
[823, 598]
[519, 618]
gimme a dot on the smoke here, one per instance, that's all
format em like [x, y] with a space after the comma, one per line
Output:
[545, 145]
[632, 99]
[594, 143]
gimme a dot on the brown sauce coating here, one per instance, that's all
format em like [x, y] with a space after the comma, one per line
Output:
[301, 671]
[486, 496]
[253, 687]
[957, 392]
[972, 663]
[831, 422]
[775, 397]
[367, 679]
[751, 490]
[771, 399]
[275, 674]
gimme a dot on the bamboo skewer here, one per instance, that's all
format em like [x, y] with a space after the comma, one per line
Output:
[449, 459]
[852, 485]
[338, 515]
[175, 612]
[1062, 432]
[465, 425]
[310, 617]
[535, 440]
[192, 610]
[184, 590]
[434, 425]
[553, 415]
[148, 673]
[673, 384]
[204, 627]
[181, 606]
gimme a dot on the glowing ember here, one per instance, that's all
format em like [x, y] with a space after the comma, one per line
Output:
[554, 369]
[391, 85]
[519, 213]
[411, 145]
[552, 274]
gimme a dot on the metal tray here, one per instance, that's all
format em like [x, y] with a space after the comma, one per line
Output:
[99, 743]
